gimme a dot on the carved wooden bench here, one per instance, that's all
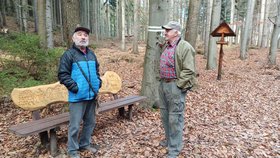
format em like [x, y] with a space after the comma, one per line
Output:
[111, 84]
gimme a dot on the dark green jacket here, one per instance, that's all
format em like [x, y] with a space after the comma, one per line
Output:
[184, 65]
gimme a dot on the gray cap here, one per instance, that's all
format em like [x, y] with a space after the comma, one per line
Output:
[172, 25]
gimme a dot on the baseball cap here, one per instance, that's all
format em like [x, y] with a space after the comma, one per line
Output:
[80, 28]
[172, 25]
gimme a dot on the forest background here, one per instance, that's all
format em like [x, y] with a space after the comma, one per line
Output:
[239, 115]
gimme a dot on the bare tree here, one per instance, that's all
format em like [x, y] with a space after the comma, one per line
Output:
[123, 24]
[265, 31]
[41, 11]
[135, 34]
[275, 37]
[207, 27]
[2, 14]
[215, 20]
[232, 11]
[71, 18]
[24, 9]
[158, 16]
[247, 30]
[261, 22]
[35, 14]
[192, 22]
[49, 26]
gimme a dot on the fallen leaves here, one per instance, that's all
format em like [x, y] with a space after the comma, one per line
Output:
[236, 117]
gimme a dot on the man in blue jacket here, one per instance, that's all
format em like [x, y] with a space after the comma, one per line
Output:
[79, 72]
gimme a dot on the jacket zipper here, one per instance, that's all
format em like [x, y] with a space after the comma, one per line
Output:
[88, 73]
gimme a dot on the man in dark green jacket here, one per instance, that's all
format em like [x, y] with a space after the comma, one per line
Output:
[177, 73]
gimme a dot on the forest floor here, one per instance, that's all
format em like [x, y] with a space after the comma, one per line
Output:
[237, 116]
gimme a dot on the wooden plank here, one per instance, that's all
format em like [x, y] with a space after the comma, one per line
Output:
[105, 105]
[37, 126]
[35, 122]
[118, 100]
[110, 106]
[33, 127]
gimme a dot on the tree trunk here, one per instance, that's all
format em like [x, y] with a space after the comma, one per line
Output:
[274, 38]
[54, 13]
[3, 14]
[212, 49]
[278, 42]
[171, 10]
[207, 27]
[35, 14]
[192, 22]
[117, 19]
[107, 22]
[262, 21]
[24, 15]
[158, 16]
[146, 24]
[96, 20]
[49, 28]
[71, 18]
[18, 13]
[84, 13]
[123, 25]
[232, 24]
[41, 10]
[135, 34]
[246, 32]
[120, 19]
[266, 25]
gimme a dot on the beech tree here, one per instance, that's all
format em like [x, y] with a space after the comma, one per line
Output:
[2, 14]
[275, 37]
[192, 22]
[135, 31]
[49, 30]
[247, 30]
[71, 18]
[158, 16]
[41, 11]
[212, 48]
[123, 24]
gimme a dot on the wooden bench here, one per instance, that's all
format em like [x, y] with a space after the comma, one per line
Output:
[47, 127]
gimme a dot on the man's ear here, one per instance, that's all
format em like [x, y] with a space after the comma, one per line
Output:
[73, 38]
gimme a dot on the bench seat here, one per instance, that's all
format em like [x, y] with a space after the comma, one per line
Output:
[45, 124]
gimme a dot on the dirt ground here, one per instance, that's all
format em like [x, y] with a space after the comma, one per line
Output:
[237, 116]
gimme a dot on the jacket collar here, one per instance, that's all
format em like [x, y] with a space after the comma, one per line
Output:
[74, 46]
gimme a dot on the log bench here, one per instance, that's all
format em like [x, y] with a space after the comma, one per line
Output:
[47, 127]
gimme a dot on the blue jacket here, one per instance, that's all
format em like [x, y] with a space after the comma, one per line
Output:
[72, 77]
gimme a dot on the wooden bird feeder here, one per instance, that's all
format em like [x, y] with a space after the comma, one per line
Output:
[222, 31]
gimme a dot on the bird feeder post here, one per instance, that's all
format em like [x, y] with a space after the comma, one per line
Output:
[222, 31]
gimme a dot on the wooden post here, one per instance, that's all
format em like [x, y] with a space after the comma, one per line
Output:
[221, 55]
[53, 142]
[130, 112]
[221, 31]
[121, 110]
[43, 135]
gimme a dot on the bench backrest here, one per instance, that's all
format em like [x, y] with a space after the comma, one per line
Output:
[38, 97]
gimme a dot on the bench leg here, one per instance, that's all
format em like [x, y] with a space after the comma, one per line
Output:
[44, 138]
[53, 142]
[122, 112]
[130, 112]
